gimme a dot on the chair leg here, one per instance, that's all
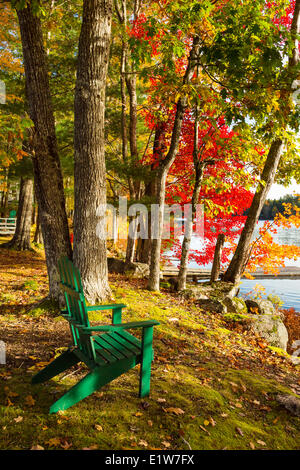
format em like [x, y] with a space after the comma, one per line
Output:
[61, 363]
[147, 356]
[96, 379]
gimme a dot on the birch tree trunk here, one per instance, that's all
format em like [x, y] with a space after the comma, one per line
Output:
[48, 178]
[90, 254]
[199, 168]
[128, 79]
[243, 250]
[163, 170]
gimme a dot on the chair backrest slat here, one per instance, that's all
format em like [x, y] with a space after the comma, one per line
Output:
[76, 306]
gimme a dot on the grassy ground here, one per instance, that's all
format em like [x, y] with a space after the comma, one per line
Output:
[213, 383]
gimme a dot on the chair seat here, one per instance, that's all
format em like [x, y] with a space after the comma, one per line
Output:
[114, 346]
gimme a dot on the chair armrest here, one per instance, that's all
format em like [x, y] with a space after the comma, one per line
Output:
[105, 307]
[90, 329]
[137, 324]
[116, 309]
[122, 326]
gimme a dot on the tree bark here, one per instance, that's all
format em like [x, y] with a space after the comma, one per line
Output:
[38, 231]
[46, 164]
[21, 239]
[243, 250]
[215, 272]
[144, 245]
[90, 254]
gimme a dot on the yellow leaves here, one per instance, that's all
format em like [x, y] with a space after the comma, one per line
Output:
[37, 447]
[53, 442]
[247, 275]
[212, 421]
[266, 253]
[8, 402]
[61, 417]
[166, 444]
[65, 444]
[238, 405]
[176, 411]
[209, 422]
[59, 442]
[205, 430]
[262, 443]
[161, 400]
[98, 427]
[9, 393]
[29, 401]
[143, 443]
[19, 419]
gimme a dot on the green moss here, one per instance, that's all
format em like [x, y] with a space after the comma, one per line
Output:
[7, 297]
[46, 307]
[235, 317]
[31, 285]
[188, 375]
[278, 351]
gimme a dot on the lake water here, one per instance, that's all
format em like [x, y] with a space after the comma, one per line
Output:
[287, 289]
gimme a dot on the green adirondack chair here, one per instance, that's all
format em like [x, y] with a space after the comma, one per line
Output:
[107, 355]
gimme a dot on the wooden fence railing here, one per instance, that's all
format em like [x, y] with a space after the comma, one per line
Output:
[7, 226]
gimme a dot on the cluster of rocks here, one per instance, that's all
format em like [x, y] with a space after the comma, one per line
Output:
[222, 297]
[119, 266]
[261, 315]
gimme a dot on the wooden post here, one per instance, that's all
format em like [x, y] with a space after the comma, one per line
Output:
[215, 272]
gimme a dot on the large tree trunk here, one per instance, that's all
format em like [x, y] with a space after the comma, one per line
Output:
[89, 173]
[243, 250]
[216, 267]
[21, 239]
[38, 230]
[186, 244]
[46, 164]
[154, 276]
[241, 255]
[144, 245]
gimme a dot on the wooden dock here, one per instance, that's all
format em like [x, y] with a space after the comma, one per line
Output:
[195, 275]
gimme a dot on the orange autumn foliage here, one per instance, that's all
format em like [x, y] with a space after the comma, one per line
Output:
[265, 252]
[9, 61]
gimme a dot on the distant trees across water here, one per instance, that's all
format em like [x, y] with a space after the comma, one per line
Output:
[273, 206]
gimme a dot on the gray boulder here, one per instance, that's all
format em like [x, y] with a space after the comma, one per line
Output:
[211, 305]
[119, 266]
[116, 265]
[271, 328]
[260, 307]
[235, 305]
[291, 403]
[138, 269]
